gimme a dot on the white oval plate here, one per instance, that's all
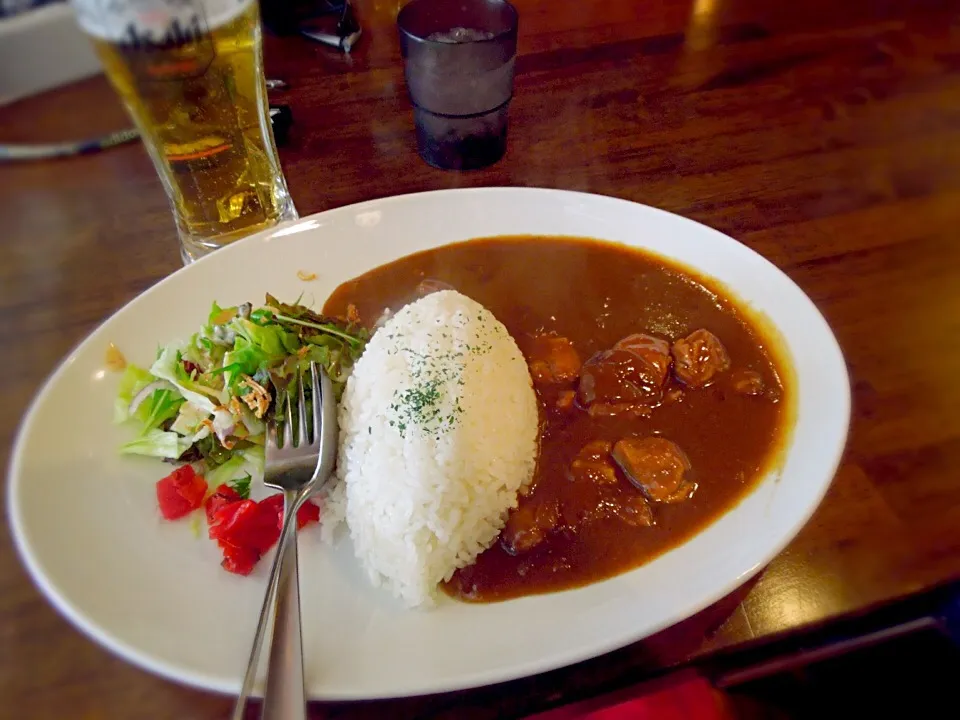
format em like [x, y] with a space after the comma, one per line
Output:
[87, 528]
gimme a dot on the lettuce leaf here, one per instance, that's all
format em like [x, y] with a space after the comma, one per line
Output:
[162, 405]
[238, 467]
[212, 452]
[157, 443]
[230, 470]
[245, 359]
[188, 419]
[133, 380]
[203, 352]
[169, 367]
[219, 315]
[255, 459]
[272, 339]
[256, 347]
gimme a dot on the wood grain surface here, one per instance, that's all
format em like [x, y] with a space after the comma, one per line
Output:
[824, 135]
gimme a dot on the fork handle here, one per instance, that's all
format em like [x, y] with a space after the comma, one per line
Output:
[285, 694]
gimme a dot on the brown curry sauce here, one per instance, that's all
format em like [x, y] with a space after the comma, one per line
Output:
[595, 293]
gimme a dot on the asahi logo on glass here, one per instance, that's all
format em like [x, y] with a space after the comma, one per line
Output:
[160, 24]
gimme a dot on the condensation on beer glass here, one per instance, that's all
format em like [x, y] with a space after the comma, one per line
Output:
[190, 73]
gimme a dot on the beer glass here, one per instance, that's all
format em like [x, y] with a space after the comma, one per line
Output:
[190, 73]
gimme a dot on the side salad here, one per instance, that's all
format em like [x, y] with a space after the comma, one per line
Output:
[204, 405]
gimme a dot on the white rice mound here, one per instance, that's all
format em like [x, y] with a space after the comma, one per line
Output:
[438, 433]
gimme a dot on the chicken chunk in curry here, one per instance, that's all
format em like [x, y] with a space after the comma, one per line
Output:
[656, 466]
[592, 464]
[553, 359]
[528, 525]
[699, 358]
[628, 376]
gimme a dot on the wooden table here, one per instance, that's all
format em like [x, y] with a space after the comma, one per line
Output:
[824, 135]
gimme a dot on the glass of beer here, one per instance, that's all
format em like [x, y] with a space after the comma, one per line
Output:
[190, 73]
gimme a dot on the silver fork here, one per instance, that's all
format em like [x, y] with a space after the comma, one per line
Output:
[299, 467]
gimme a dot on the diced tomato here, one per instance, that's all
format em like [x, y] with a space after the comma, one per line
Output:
[245, 524]
[180, 492]
[222, 496]
[238, 560]
[190, 367]
[309, 512]
[274, 505]
[245, 529]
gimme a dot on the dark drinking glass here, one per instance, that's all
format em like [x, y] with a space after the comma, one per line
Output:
[458, 62]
